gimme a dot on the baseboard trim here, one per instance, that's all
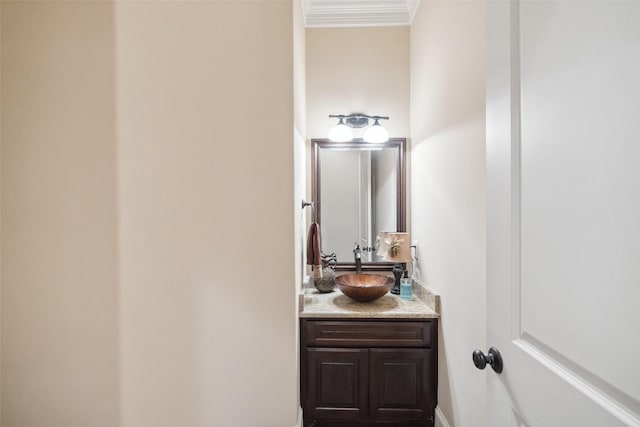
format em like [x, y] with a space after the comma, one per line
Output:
[441, 420]
[299, 421]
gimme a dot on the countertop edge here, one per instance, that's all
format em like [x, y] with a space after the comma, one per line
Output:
[425, 305]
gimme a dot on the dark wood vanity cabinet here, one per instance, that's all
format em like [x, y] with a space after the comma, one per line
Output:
[358, 373]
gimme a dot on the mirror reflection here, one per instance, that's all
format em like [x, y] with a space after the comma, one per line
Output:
[359, 191]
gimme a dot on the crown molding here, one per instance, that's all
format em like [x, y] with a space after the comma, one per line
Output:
[358, 13]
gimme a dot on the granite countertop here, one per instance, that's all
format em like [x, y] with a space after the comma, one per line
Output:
[314, 304]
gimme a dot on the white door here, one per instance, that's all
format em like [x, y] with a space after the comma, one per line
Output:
[563, 174]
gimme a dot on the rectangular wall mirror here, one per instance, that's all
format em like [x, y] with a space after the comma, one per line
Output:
[359, 190]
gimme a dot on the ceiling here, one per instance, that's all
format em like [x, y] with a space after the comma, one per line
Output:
[358, 13]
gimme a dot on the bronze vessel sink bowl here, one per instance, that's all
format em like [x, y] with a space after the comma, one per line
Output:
[364, 287]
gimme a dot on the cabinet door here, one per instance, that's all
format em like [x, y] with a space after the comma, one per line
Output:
[400, 384]
[337, 383]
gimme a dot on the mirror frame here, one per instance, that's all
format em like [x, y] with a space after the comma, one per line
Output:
[401, 212]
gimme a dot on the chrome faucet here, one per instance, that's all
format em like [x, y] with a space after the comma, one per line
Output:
[357, 255]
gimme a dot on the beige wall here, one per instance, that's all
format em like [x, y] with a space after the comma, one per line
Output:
[357, 70]
[59, 270]
[0, 216]
[448, 192]
[299, 166]
[300, 131]
[206, 224]
[148, 262]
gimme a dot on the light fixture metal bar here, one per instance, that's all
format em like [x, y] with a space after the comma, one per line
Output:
[357, 120]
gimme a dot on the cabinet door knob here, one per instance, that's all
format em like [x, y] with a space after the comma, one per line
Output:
[493, 359]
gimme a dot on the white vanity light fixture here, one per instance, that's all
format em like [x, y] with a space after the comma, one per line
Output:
[342, 131]
[376, 133]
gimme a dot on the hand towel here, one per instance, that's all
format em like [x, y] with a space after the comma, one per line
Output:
[314, 247]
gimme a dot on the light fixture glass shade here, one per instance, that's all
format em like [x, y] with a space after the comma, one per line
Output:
[341, 132]
[376, 133]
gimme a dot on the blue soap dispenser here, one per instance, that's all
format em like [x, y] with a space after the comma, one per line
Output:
[406, 289]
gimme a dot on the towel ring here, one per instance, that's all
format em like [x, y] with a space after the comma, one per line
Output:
[313, 209]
